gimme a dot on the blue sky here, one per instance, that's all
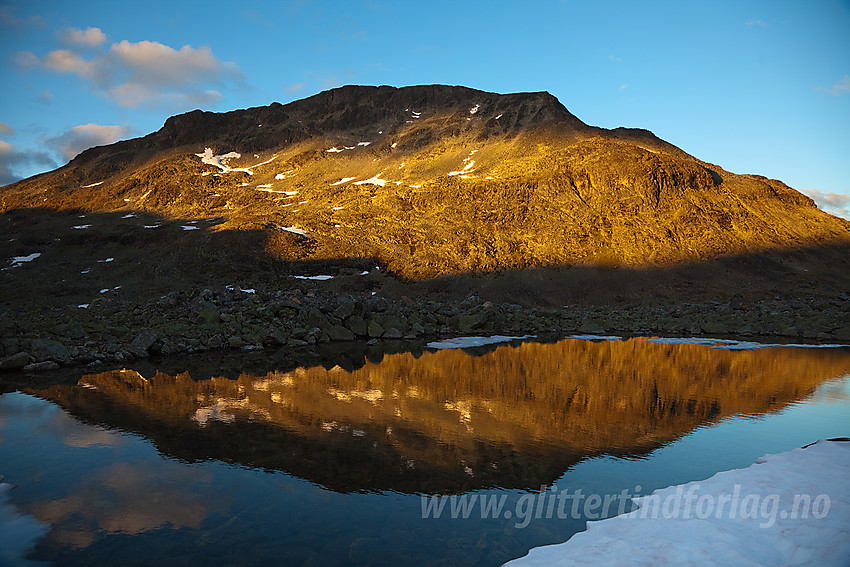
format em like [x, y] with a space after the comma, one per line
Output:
[755, 87]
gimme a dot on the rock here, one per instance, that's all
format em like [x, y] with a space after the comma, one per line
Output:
[296, 343]
[340, 333]
[143, 341]
[357, 325]
[592, 327]
[235, 342]
[392, 333]
[210, 316]
[215, 342]
[48, 349]
[472, 321]
[11, 346]
[275, 336]
[15, 362]
[374, 329]
[44, 366]
[345, 309]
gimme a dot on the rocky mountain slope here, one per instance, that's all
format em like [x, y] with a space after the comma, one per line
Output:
[434, 181]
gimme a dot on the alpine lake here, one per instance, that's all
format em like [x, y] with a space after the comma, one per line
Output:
[390, 454]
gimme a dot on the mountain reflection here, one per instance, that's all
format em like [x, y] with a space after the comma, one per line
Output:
[449, 421]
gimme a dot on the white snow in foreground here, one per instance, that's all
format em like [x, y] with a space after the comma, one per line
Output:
[372, 181]
[344, 180]
[266, 186]
[280, 176]
[363, 143]
[295, 230]
[474, 109]
[92, 185]
[468, 342]
[470, 163]
[319, 278]
[189, 227]
[81, 226]
[18, 532]
[18, 260]
[763, 530]
[499, 116]
[333, 150]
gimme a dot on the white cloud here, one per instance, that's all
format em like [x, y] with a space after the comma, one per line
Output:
[140, 73]
[46, 97]
[839, 88]
[6, 129]
[758, 23]
[293, 88]
[615, 59]
[85, 136]
[65, 61]
[834, 203]
[153, 62]
[11, 159]
[90, 36]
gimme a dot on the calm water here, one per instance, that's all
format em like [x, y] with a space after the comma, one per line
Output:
[328, 464]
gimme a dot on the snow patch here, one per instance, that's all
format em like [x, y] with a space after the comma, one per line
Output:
[294, 230]
[343, 180]
[499, 116]
[83, 306]
[594, 337]
[319, 278]
[469, 342]
[189, 227]
[151, 226]
[372, 181]
[474, 109]
[333, 150]
[18, 260]
[768, 532]
[81, 226]
[92, 185]
[729, 344]
[280, 176]
[363, 143]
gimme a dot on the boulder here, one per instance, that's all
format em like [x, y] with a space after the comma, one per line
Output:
[15, 362]
[48, 349]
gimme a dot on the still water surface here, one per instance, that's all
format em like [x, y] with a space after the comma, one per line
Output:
[328, 464]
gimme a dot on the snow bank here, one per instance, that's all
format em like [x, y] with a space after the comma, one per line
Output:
[761, 526]
[372, 181]
[730, 344]
[319, 278]
[18, 260]
[344, 180]
[295, 230]
[468, 342]
[18, 532]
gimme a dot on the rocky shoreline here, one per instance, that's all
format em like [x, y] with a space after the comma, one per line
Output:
[111, 331]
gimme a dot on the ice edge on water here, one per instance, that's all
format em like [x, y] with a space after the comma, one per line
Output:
[683, 539]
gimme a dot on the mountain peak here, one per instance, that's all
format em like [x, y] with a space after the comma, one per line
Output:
[438, 179]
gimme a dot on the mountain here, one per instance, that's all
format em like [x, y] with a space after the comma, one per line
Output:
[437, 180]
